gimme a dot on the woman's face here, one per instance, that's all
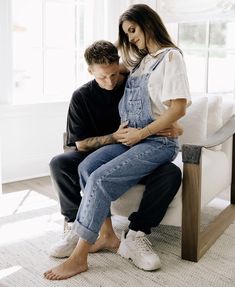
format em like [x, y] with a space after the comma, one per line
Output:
[135, 34]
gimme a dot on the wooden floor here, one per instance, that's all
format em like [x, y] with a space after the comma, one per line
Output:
[41, 184]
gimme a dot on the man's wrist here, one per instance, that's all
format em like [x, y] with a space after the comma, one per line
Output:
[113, 138]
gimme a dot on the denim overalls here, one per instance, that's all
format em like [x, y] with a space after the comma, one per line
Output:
[111, 170]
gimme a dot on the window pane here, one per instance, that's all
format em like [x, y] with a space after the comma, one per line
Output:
[60, 24]
[81, 25]
[196, 63]
[222, 35]
[27, 54]
[27, 23]
[59, 75]
[27, 76]
[192, 35]
[221, 71]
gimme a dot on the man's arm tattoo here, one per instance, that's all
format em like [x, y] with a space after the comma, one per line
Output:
[95, 142]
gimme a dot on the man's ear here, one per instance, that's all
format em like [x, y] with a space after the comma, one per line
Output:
[89, 70]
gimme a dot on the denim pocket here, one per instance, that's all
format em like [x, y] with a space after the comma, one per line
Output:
[134, 107]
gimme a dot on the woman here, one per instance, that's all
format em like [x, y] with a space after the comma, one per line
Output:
[156, 96]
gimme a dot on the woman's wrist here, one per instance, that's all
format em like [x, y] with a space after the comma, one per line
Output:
[145, 132]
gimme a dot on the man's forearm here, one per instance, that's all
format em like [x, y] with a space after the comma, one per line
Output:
[93, 143]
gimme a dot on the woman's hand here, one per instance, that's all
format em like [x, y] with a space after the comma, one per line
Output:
[130, 137]
[120, 133]
[175, 130]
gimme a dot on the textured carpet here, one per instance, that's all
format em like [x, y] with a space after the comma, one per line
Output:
[26, 236]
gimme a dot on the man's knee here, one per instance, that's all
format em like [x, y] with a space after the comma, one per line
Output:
[168, 176]
[174, 175]
[55, 163]
[62, 163]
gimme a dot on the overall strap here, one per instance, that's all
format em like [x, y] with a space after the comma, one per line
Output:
[136, 67]
[158, 61]
[161, 57]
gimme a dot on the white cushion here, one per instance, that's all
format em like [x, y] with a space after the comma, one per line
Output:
[228, 110]
[195, 122]
[214, 118]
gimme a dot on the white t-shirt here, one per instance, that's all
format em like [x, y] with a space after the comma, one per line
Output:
[167, 82]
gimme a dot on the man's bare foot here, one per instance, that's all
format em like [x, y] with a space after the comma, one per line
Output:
[66, 270]
[110, 242]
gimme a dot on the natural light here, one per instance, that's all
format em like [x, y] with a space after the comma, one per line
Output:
[25, 229]
[30, 214]
[8, 271]
[23, 201]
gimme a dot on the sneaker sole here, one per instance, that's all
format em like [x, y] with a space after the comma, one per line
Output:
[59, 256]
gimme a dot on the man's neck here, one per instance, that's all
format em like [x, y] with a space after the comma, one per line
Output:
[121, 79]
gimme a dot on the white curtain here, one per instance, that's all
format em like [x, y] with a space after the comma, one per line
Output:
[196, 10]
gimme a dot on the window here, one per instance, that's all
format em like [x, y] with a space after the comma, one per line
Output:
[42, 57]
[205, 31]
[43, 42]
[209, 49]
[48, 45]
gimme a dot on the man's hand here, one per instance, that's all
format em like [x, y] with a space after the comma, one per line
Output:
[93, 143]
[174, 131]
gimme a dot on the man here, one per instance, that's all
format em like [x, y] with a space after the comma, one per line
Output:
[93, 121]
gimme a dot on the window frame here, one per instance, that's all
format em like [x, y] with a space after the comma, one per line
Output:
[208, 50]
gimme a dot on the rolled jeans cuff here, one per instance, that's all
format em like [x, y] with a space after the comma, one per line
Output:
[84, 233]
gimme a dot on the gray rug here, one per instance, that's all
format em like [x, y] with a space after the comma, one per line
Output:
[26, 237]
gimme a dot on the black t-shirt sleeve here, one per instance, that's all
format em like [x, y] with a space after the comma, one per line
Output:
[76, 120]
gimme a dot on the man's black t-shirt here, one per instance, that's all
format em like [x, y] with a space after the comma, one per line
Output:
[93, 111]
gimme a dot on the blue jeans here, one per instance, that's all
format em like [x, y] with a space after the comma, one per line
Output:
[109, 172]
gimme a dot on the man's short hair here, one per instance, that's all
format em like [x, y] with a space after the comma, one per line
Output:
[101, 52]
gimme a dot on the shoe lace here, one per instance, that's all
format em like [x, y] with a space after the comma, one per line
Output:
[143, 244]
[67, 227]
[68, 233]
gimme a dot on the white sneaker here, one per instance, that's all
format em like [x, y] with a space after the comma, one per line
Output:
[139, 250]
[65, 246]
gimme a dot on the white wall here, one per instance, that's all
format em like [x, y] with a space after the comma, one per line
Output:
[0, 168]
[30, 136]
